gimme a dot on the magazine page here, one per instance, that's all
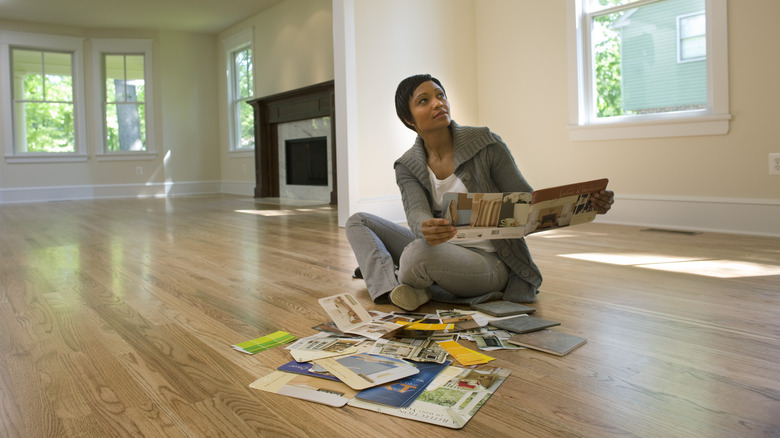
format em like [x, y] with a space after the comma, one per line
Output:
[517, 214]
[563, 206]
[350, 317]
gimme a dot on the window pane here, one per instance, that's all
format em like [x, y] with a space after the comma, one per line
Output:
[28, 65]
[246, 118]
[636, 66]
[115, 78]
[59, 77]
[244, 73]
[48, 127]
[693, 26]
[693, 48]
[135, 77]
[125, 127]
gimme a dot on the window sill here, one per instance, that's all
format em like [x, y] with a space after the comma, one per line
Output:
[48, 158]
[674, 126]
[126, 156]
[242, 154]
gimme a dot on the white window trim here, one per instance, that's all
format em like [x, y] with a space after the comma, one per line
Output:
[713, 121]
[42, 42]
[238, 41]
[122, 46]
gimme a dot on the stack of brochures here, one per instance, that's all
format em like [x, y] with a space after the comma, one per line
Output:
[406, 364]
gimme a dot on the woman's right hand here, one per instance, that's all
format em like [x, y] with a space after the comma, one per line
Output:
[437, 231]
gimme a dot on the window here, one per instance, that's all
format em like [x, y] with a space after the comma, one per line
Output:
[42, 93]
[124, 96]
[124, 103]
[647, 68]
[692, 37]
[241, 86]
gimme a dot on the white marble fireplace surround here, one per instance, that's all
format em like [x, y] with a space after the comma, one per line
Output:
[319, 127]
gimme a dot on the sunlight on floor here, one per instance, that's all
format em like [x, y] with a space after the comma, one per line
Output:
[285, 212]
[686, 265]
[268, 212]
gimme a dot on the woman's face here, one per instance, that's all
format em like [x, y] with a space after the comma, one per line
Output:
[430, 108]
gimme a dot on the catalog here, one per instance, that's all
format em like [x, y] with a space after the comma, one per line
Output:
[514, 215]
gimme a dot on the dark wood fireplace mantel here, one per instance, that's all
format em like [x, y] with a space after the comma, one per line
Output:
[304, 103]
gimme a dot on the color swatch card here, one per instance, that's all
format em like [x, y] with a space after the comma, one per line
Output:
[265, 342]
[465, 356]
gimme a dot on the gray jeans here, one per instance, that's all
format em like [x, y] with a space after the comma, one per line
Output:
[389, 254]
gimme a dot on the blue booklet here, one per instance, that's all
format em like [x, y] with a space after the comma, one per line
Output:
[305, 368]
[401, 393]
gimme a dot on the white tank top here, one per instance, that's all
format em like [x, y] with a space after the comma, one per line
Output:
[453, 184]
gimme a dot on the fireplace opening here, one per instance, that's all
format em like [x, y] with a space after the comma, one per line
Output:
[307, 161]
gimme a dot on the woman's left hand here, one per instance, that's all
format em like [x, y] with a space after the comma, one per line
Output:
[603, 200]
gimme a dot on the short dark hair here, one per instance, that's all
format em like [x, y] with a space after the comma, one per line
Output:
[404, 92]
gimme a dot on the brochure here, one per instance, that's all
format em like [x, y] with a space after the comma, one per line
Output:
[361, 371]
[402, 393]
[327, 392]
[451, 400]
[517, 214]
[350, 317]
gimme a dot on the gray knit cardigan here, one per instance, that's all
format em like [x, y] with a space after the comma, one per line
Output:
[485, 165]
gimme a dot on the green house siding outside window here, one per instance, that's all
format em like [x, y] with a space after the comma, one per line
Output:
[656, 78]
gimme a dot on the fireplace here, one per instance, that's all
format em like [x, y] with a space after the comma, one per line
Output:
[304, 113]
[306, 161]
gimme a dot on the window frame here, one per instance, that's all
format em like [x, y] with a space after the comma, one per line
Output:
[585, 126]
[233, 44]
[123, 46]
[42, 42]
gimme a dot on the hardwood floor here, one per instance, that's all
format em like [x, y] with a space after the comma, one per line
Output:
[117, 319]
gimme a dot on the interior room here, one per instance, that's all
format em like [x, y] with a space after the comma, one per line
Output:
[217, 150]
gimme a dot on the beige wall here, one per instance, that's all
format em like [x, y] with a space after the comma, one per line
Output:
[185, 113]
[512, 77]
[293, 47]
[524, 96]
[394, 40]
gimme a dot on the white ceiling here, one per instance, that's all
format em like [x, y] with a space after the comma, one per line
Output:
[203, 16]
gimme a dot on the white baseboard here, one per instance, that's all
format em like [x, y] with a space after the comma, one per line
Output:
[720, 215]
[109, 191]
[238, 188]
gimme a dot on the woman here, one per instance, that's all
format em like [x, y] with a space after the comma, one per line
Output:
[411, 265]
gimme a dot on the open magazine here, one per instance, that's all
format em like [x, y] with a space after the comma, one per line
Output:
[517, 214]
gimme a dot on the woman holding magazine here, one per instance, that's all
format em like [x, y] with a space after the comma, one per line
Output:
[412, 265]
